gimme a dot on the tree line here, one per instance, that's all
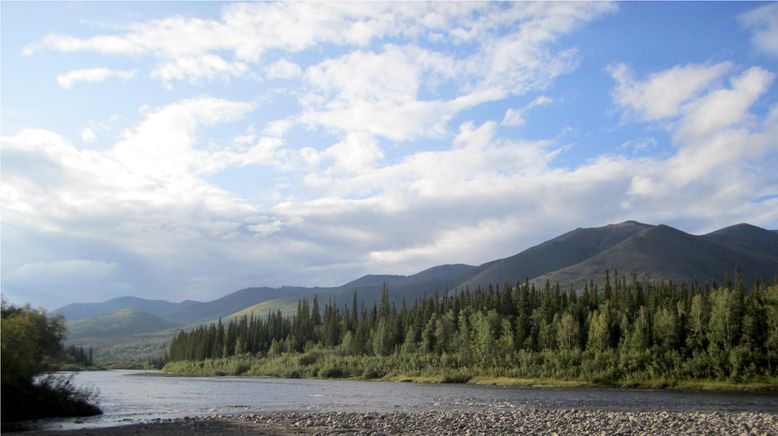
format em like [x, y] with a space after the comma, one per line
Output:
[624, 328]
[79, 356]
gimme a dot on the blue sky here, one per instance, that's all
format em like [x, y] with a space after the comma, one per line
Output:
[185, 150]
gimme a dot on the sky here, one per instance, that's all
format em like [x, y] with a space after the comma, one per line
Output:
[186, 150]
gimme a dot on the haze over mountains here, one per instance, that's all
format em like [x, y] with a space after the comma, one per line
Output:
[653, 252]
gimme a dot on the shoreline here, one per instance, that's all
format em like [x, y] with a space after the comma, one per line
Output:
[492, 420]
[541, 383]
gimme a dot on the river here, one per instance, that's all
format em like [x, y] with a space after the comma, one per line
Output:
[140, 396]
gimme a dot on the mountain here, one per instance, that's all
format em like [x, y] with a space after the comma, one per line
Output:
[747, 240]
[653, 252]
[664, 253]
[78, 311]
[436, 279]
[563, 251]
[122, 323]
[188, 311]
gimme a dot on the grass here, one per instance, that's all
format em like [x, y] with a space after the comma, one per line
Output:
[531, 382]
[328, 364]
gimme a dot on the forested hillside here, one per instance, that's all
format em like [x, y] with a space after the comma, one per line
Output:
[626, 332]
[578, 257]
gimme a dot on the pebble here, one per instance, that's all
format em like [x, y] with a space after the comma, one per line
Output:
[497, 420]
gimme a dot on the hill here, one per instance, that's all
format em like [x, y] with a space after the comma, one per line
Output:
[76, 311]
[653, 252]
[122, 323]
[569, 249]
[664, 253]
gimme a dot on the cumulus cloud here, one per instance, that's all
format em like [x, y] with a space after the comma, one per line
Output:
[366, 199]
[92, 75]
[512, 189]
[283, 69]
[187, 47]
[74, 268]
[763, 22]
[662, 94]
[88, 135]
[375, 92]
[724, 107]
[515, 117]
[481, 197]
[720, 142]
[147, 195]
[197, 69]
[155, 166]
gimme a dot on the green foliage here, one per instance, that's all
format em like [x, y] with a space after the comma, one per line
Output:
[31, 344]
[631, 333]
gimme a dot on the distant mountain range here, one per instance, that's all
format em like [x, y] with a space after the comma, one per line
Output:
[653, 252]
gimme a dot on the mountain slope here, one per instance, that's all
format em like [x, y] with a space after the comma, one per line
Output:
[76, 311]
[239, 300]
[655, 252]
[747, 240]
[665, 253]
[563, 251]
[122, 323]
[436, 279]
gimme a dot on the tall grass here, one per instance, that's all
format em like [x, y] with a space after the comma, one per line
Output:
[567, 368]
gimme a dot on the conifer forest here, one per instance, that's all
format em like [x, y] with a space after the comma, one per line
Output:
[623, 332]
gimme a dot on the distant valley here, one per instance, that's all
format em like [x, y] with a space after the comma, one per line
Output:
[653, 252]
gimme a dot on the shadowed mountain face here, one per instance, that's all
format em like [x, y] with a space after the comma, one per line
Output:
[569, 249]
[653, 252]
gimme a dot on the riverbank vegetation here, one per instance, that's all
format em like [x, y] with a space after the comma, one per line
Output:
[31, 345]
[627, 333]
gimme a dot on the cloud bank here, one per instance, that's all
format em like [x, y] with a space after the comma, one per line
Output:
[418, 157]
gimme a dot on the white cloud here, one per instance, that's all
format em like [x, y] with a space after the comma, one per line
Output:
[196, 69]
[378, 93]
[278, 128]
[146, 183]
[391, 77]
[763, 22]
[481, 198]
[72, 269]
[663, 94]
[249, 30]
[512, 55]
[92, 75]
[724, 107]
[355, 153]
[639, 145]
[316, 212]
[716, 135]
[283, 69]
[443, 206]
[515, 117]
[88, 135]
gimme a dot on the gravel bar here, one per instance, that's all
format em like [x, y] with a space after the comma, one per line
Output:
[489, 421]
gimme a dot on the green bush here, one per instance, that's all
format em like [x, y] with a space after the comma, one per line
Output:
[31, 344]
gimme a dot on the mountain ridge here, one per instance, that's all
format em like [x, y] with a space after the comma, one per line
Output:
[656, 252]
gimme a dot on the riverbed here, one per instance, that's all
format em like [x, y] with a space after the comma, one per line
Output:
[143, 397]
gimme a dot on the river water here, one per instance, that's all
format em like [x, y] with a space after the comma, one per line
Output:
[137, 396]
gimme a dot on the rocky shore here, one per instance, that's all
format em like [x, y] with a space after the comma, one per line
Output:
[455, 422]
